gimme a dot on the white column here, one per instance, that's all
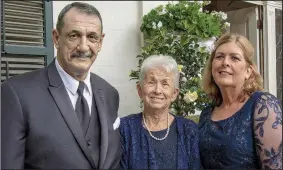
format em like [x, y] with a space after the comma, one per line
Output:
[269, 40]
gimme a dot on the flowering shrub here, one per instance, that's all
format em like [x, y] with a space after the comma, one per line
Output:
[181, 30]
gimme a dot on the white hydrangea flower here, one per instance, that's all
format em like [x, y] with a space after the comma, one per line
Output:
[199, 2]
[223, 15]
[208, 2]
[163, 11]
[184, 79]
[213, 13]
[220, 14]
[153, 25]
[159, 25]
[226, 24]
[202, 44]
[209, 44]
[190, 97]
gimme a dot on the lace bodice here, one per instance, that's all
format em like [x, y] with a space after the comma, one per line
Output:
[251, 138]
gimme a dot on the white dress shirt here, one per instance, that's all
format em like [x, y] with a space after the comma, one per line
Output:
[72, 85]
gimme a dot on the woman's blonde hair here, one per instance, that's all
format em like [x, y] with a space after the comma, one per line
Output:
[252, 84]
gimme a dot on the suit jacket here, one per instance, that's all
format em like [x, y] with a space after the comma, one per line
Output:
[40, 129]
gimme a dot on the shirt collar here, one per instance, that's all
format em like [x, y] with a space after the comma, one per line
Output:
[70, 83]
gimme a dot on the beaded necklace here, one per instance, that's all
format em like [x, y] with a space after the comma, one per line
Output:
[156, 138]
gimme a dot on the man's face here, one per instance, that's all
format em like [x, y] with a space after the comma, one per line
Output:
[78, 43]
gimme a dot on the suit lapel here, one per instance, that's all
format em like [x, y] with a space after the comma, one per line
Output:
[60, 96]
[100, 103]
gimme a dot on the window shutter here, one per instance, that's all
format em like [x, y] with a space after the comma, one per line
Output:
[12, 65]
[2, 25]
[25, 36]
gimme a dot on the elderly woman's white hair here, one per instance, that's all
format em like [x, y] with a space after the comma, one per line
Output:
[164, 61]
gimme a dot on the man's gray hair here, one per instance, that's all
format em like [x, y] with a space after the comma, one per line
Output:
[82, 7]
[155, 61]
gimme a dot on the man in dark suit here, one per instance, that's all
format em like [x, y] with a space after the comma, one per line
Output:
[63, 116]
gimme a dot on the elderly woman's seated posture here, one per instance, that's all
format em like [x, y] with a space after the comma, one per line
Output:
[242, 129]
[155, 138]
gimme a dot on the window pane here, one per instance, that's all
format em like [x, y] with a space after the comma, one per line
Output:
[278, 23]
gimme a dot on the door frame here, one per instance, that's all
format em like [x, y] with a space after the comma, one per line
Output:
[269, 43]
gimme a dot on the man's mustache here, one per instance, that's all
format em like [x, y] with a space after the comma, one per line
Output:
[78, 54]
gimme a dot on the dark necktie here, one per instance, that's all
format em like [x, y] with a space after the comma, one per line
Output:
[82, 108]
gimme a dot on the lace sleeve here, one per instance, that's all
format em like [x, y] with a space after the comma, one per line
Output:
[268, 131]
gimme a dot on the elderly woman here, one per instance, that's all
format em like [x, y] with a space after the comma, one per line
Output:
[155, 138]
[243, 127]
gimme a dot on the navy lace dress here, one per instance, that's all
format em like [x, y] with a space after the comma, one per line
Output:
[140, 151]
[251, 138]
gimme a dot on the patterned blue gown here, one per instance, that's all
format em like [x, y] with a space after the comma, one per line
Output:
[232, 143]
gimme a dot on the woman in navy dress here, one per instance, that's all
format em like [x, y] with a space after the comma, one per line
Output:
[242, 129]
[155, 138]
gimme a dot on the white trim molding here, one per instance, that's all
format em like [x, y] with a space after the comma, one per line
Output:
[256, 2]
[275, 4]
[269, 40]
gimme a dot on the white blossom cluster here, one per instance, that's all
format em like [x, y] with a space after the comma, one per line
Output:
[163, 11]
[190, 97]
[226, 25]
[220, 14]
[159, 25]
[209, 44]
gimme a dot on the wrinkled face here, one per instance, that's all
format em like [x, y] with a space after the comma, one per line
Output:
[229, 67]
[79, 42]
[157, 90]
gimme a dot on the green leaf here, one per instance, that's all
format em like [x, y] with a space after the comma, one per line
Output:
[184, 40]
